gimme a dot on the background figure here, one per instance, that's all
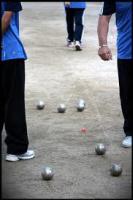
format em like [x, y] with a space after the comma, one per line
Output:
[75, 26]
[12, 85]
[123, 12]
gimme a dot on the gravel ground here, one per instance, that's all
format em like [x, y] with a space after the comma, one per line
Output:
[58, 74]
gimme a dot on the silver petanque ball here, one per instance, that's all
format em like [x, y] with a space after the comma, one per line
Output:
[40, 105]
[100, 149]
[61, 108]
[47, 173]
[80, 107]
[81, 101]
[116, 170]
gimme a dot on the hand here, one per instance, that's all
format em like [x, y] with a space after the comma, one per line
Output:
[105, 53]
[67, 3]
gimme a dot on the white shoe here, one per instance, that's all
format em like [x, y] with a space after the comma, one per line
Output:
[78, 46]
[127, 142]
[70, 44]
[28, 155]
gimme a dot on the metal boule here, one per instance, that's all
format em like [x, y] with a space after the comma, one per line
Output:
[100, 149]
[80, 107]
[47, 173]
[116, 170]
[81, 101]
[40, 105]
[61, 108]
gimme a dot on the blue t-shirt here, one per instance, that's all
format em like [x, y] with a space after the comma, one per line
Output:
[12, 47]
[123, 11]
[75, 5]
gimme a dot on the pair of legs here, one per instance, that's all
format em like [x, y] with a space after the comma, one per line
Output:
[12, 105]
[125, 75]
[74, 19]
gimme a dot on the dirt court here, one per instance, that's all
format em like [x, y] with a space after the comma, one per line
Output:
[58, 74]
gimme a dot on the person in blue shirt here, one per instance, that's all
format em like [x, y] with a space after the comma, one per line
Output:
[12, 85]
[123, 12]
[75, 23]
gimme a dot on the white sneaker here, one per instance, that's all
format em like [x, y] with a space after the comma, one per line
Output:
[70, 44]
[127, 142]
[78, 46]
[28, 155]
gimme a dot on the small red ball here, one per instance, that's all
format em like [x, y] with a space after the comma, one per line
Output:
[83, 129]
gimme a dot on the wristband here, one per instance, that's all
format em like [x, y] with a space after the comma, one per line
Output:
[104, 45]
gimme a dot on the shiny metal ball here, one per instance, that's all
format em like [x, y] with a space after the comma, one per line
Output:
[116, 170]
[100, 149]
[80, 107]
[81, 101]
[47, 173]
[40, 105]
[61, 108]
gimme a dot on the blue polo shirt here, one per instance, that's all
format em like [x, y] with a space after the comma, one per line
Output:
[11, 42]
[76, 5]
[123, 11]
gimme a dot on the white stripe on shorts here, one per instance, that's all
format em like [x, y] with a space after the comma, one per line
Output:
[101, 9]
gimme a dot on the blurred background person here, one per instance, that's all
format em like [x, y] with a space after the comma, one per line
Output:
[75, 23]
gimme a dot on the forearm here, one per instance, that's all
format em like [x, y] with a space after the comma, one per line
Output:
[103, 26]
[6, 21]
[102, 29]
